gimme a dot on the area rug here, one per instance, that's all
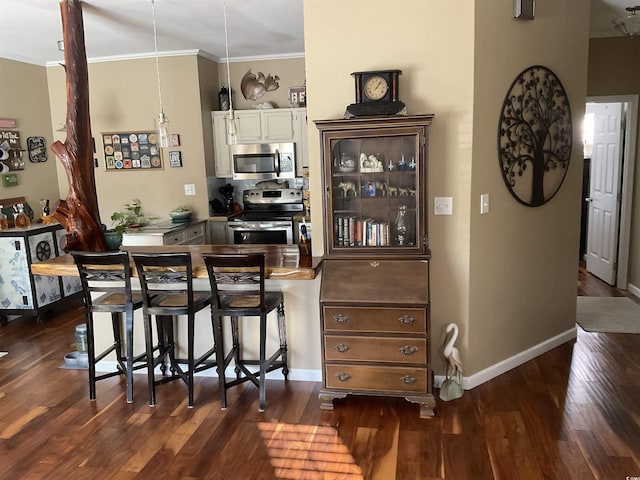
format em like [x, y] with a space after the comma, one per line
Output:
[608, 314]
[2, 354]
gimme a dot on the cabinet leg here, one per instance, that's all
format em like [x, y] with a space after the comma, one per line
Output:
[427, 404]
[4, 320]
[326, 399]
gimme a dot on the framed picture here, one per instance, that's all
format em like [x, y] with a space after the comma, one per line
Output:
[174, 140]
[37, 148]
[175, 159]
[298, 96]
[131, 151]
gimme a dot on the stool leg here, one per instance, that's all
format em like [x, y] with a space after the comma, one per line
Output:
[218, 336]
[263, 361]
[235, 345]
[148, 336]
[282, 331]
[117, 340]
[128, 326]
[190, 360]
[91, 353]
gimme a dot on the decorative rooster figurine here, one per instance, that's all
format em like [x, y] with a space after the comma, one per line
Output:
[255, 86]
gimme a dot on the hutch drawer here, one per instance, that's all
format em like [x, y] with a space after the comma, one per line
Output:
[387, 320]
[375, 349]
[400, 380]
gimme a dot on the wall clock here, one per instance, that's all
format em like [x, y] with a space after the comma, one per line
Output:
[535, 136]
[376, 93]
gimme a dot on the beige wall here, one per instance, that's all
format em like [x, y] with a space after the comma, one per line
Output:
[435, 80]
[523, 260]
[25, 99]
[614, 69]
[507, 278]
[124, 97]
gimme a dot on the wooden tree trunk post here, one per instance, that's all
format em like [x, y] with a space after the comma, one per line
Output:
[79, 213]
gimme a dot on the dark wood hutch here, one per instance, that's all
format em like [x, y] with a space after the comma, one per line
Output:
[374, 295]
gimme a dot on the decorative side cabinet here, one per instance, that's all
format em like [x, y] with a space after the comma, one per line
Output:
[374, 295]
[21, 292]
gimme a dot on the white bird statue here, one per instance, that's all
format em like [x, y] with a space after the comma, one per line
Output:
[451, 353]
[451, 388]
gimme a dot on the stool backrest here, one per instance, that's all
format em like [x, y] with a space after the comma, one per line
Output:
[166, 274]
[236, 279]
[105, 273]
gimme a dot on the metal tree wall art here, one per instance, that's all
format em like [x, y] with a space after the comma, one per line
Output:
[535, 136]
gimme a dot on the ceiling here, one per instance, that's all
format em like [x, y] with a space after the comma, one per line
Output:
[29, 29]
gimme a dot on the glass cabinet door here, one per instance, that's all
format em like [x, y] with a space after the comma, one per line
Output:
[374, 187]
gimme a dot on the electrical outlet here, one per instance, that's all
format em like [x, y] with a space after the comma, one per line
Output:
[443, 206]
[484, 203]
[189, 189]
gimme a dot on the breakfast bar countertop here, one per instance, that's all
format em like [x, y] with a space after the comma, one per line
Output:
[282, 262]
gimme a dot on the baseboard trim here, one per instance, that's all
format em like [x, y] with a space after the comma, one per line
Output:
[635, 291]
[499, 368]
[296, 374]
[468, 383]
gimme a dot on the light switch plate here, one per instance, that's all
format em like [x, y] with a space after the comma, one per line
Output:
[443, 206]
[189, 189]
[484, 203]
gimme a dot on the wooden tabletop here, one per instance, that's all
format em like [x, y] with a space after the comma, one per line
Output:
[282, 261]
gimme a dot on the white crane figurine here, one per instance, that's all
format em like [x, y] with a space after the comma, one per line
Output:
[451, 388]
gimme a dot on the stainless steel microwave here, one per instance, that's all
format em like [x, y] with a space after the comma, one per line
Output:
[263, 161]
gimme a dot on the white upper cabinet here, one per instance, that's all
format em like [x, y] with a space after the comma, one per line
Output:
[260, 126]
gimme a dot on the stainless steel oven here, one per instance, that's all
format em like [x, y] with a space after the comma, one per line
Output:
[242, 232]
[267, 217]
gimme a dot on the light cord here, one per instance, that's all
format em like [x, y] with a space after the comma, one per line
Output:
[155, 43]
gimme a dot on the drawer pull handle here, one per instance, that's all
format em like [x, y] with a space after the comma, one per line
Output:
[407, 319]
[374, 264]
[408, 380]
[341, 347]
[343, 376]
[409, 350]
[340, 318]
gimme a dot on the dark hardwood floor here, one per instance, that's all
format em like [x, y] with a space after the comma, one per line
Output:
[572, 413]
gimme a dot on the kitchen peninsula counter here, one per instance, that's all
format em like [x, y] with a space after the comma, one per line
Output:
[282, 262]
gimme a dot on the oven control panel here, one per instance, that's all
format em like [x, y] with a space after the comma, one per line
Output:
[271, 196]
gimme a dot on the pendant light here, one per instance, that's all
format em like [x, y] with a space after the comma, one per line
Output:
[163, 123]
[232, 130]
[629, 25]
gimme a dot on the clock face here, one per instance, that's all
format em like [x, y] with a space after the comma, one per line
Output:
[376, 87]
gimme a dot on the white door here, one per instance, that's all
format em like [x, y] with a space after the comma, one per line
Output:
[604, 196]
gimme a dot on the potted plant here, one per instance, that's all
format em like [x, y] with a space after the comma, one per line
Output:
[131, 216]
[180, 214]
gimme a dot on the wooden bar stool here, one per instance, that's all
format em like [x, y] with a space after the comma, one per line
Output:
[166, 281]
[106, 285]
[237, 283]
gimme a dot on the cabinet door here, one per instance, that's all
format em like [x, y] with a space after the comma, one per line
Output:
[220, 146]
[374, 184]
[277, 126]
[217, 233]
[300, 136]
[249, 125]
[15, 288]
[42, 246]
